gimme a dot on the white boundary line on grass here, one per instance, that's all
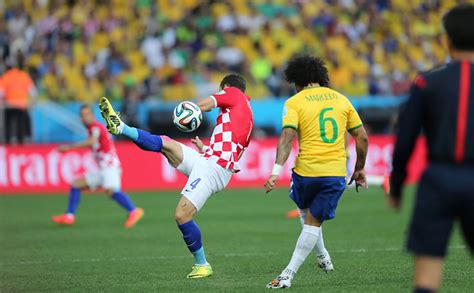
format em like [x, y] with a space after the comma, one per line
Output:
[146, 258]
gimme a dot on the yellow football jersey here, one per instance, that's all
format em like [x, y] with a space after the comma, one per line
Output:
[321, 116]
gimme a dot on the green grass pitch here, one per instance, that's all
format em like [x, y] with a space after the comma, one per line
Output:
[245, 234]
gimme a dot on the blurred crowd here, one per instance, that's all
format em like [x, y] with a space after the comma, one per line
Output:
[179, 49]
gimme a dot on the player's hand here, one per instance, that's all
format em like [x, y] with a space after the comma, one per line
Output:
[198, 143]
[393, 202]
[271, 183]
[394, 198]
[360, 179]
[63, 148]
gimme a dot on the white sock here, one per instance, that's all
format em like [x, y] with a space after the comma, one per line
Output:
[120, 127]
[306, 242]
[319, 249]
[302, 215]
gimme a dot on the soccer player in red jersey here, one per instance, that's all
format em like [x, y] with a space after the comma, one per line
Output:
[107, 176]
[210, 170]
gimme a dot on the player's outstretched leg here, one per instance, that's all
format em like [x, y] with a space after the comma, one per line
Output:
[322, 255]
[134, 214]
[192, 237]
[144, 140]
[306, 242]
[68, 218]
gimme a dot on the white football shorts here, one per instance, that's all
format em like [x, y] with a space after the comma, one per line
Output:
[205, 177]
[107, 178]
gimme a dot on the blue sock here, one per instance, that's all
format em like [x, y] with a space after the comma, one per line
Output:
[123, 200]
[130, 132]
[144, 140]
[200, 257]
[149, 142]
[74, 199]
[192, 237]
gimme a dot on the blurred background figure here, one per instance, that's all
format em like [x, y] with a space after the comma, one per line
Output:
[440, 105]
[17, 93]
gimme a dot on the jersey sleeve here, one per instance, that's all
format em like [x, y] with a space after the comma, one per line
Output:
[224, 99]
[290, 116]
[408, 129]
[353, 119]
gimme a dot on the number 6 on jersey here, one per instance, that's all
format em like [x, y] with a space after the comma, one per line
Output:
[322, 126]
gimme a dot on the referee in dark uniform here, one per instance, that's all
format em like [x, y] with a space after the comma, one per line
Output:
[441, 103]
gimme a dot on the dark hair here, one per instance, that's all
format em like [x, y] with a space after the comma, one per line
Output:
[458, 24]
[235, 80]
[305, 69]
[85, 106]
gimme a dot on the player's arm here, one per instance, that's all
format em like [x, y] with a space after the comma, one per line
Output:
[207, 104]
[199, 144]
[290, 122]
[283, 152]
[284, 145]
[222, 99]
[89, 142]
[408, 129]
[356, 129]
[362, 145]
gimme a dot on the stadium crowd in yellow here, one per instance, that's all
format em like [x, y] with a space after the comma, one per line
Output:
[179, 49]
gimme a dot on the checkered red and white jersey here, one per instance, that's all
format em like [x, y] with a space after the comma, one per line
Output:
[234, 124]
[104, 150]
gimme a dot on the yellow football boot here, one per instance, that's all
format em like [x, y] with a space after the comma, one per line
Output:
[200, 271]
[112, 119]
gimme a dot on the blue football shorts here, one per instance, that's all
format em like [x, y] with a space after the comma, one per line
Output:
[318, 194]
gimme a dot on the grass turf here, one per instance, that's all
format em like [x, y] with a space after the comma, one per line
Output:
[246, 236]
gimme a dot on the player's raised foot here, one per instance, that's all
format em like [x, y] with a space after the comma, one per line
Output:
[200, 271]
[325, 263]
[112, 119]
[281, 282]
[64, 219]
[133, 217]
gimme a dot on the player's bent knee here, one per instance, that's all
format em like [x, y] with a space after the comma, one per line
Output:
[184, 211]
[182, 217]
[79, 183]
[172, 151]
[109, 191]
[312, 220]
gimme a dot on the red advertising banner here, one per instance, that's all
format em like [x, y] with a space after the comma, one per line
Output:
[379, 158]
[42, 169]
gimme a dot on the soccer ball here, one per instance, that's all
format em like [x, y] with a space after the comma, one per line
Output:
[187, 116]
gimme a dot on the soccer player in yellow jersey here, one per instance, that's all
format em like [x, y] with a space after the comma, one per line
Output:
[320, 117]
